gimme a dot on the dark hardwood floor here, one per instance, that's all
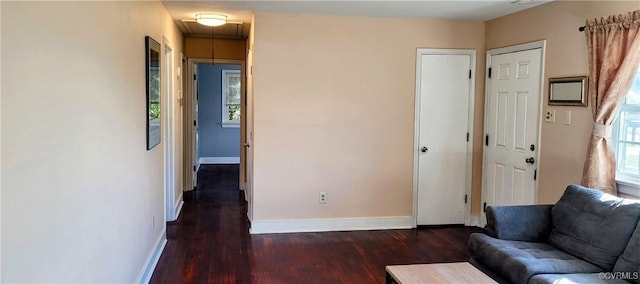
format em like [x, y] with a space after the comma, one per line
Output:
[210, 243]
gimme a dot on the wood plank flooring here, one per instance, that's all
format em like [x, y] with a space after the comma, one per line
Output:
[210, 243]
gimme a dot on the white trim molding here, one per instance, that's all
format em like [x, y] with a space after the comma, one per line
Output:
[329, 225]
[219, 160]
[168, 128]
[152, 259]
[230, 124]
[628, 187]
[178, 206]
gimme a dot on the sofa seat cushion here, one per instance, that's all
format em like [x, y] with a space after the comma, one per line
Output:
[629, 261]
[591, 278]
[593, 225]
[517, 261]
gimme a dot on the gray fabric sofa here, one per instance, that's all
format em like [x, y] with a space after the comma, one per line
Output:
[587, 237]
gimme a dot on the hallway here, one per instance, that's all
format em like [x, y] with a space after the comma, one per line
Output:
[210, 243]
[212, 223]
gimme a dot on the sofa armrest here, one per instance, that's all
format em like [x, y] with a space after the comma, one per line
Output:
[530, 223]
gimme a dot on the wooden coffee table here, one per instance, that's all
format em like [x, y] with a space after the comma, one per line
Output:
[457, 272]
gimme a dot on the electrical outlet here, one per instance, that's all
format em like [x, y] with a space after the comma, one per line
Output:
[323, 197]
[550, 116]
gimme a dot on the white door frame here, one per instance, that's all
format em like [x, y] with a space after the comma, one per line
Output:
[416, 132]
[184, 82]
[247, 131]
[169, 135]
[190, 102]
[498, 51]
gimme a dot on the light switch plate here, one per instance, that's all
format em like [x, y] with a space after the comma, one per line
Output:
[567, 117]
[550, 116]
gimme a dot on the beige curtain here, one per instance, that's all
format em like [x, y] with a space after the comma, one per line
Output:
[614, 57]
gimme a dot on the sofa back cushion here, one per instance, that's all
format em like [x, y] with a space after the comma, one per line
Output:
[629, 261]
[593, 225]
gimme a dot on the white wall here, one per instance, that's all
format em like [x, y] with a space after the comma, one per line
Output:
[82, 198]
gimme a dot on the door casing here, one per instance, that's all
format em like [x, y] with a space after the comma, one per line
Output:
[416, 135]
[171, 207]
[190, 162]
[504, 50]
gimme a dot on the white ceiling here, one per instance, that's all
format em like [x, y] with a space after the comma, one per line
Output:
[240, 11]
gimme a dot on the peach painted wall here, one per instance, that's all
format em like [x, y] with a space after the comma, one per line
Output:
[82, 198]
[563, 147]
[334, 112]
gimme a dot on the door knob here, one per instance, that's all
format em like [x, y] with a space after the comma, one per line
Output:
[529, 160]
[424, 149]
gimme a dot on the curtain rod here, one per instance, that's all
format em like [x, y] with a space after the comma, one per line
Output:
[581, 29]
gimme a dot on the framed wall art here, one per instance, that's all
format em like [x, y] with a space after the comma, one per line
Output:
[152, 49]
[568, 91]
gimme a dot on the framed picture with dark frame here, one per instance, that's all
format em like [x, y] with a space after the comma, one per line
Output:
[152, 50]
[568, 91]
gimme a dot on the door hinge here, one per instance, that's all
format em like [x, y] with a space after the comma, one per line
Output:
[489, 72]
[486, 139]
[465, 199]
[467, 136]
[535, 174]
[194, 77]
[484, 207]
[469, 73]
[194, 168]
[194, 123]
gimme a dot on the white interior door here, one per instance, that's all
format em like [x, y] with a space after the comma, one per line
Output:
[443, 153]
[512, 127]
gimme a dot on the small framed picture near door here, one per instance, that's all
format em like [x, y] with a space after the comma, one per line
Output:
[152, 49]
[568, 91]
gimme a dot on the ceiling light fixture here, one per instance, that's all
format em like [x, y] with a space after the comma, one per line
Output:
[211, 20]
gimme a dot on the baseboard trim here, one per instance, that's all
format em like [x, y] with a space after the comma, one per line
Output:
[178, 205]
[219, 160]
[474, 221]
[152, 259]
[328, 225]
